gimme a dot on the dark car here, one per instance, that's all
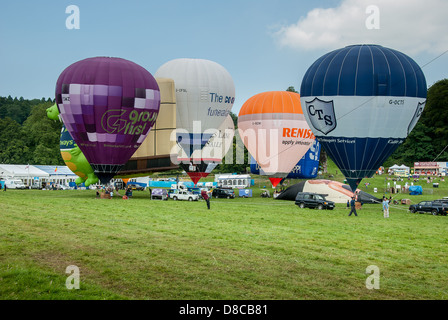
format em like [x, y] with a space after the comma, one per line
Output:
[435, 207]
[135, 186]
[313, 200]
[223, 193]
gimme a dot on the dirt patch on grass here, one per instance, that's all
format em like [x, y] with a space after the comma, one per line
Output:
[57, 262]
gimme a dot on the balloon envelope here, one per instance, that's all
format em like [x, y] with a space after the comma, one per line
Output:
[205, 94]
[361, 102]
[275, 132]
[306, 168]
[108, 106]
[202, 162]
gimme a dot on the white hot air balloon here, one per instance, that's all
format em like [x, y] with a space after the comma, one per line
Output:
[205, 94]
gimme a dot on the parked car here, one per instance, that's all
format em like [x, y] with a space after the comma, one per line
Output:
[160, 194]
[180, 194]
[435, 207]
[135, 186]
[223, 193]
[313, 200]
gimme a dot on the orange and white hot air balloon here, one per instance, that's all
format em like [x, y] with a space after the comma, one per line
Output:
[275, 132]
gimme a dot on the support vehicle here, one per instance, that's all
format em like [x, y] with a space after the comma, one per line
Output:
[182, 194]
[14, 184]
[313, 200]
[223, 193]
[435, 207]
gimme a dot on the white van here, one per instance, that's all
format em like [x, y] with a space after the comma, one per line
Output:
[14, 184]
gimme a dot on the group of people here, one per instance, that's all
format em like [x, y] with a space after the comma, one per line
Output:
[352, 205]
[106, 193]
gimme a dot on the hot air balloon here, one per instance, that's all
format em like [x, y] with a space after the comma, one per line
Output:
[108, 106]
[205, 94]
[361, 102]
[306, 168]
[203, 161]
[275, 132]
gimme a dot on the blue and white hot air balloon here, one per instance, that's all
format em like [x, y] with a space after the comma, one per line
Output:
[361, 102]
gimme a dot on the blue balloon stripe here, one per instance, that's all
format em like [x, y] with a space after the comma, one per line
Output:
[368, 152]
[345, 154]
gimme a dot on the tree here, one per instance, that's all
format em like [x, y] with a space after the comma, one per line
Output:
[235, 119]
[26, 134]
[13, 148]
[43, 136]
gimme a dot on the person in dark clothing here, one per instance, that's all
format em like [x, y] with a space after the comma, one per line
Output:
[353, 207]
[206, 198]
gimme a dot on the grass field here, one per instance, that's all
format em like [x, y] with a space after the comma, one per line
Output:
[251, 248]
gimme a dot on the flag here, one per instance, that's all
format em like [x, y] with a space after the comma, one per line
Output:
[56, 169]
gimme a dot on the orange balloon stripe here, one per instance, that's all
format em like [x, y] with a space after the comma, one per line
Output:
[272, 102]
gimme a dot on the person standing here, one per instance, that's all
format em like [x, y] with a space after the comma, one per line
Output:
[206, 198]
[385, 207]
[353, 207]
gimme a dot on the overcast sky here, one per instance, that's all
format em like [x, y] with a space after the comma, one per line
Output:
[265, 44]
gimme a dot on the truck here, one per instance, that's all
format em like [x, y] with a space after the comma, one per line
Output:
[182, 194]
[14, 184]
[435, 207]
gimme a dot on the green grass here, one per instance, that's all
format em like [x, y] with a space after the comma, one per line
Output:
[252, 248]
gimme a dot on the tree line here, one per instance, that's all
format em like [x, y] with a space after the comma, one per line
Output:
[27, 136]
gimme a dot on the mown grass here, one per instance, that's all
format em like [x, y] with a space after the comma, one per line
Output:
[252, 248]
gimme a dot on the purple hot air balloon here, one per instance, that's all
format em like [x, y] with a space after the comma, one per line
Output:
[108, 105]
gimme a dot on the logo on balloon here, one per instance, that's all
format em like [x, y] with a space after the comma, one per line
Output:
[417, 114]
[114, 121]
[321, 114]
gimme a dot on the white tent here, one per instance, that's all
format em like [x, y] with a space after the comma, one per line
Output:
[21, 171]
[399, 170]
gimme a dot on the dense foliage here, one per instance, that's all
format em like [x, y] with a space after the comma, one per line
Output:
[27, 136]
